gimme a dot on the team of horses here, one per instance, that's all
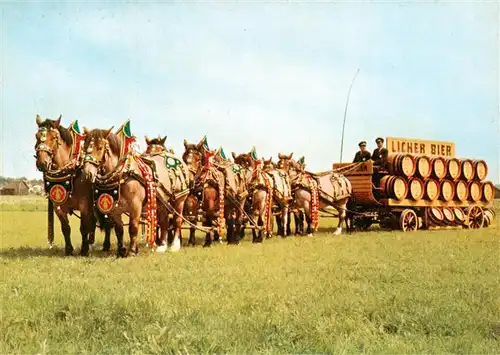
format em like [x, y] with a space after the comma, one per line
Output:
[99, 173]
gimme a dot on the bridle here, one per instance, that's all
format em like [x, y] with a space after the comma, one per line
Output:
[196, 156]
[42, 146]
[99, 160]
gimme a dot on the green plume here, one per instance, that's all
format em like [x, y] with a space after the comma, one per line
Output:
[254, 153]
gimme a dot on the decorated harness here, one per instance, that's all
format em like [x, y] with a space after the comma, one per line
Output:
[58, 183]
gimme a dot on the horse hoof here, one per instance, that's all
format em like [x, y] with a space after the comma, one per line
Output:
[161, 249]
[338, 231]
[176, 245]
[310, 235]
[51, 245]
[69, 252]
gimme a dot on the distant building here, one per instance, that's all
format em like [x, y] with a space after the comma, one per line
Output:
[15, 187]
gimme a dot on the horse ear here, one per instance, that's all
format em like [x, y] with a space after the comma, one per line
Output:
[234, 155]
[163, 140]
[86, 130]
[108, 132]
[148, 141]
[57, 122]
[185, 143]
[281, 156]
[38, 120]
[290, 156]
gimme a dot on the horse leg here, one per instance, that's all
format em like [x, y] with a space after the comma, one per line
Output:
[192, 232]
[106, 246]
[87, 222]
[208, 223]
[285, 220]
[163, 225]
[133, 226]
[342, 216]
[121, 250]
[66, 230]
[289, 223]
[179, 208]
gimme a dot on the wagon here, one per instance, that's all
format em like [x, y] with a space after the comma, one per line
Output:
[422, 190]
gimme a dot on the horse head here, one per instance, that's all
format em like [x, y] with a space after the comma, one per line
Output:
[52, 142]
[269, 165]
[285, 161]
[193, 156]
[156, 145]
[102, 150]
[244, 159]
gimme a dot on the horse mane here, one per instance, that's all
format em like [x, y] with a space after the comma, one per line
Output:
[113, 140]
[64, 132]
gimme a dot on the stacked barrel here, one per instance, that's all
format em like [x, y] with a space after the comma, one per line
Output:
[436, 178]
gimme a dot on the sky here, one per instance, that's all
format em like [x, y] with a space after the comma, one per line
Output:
[270, 75]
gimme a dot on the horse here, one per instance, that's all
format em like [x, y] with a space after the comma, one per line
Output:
[206, 191]
[283, 164]
[219, 188]
[260, 187]
[58, 157]
[317, 191]
[125, 182]
[281, 194]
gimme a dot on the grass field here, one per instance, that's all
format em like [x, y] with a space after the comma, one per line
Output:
[370, 292]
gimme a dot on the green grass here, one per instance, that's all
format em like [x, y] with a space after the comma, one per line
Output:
[370, 292]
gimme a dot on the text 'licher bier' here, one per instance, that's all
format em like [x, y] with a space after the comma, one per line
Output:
[418, 146]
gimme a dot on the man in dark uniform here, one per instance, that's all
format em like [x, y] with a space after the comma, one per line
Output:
[363, 154]
[380, 154]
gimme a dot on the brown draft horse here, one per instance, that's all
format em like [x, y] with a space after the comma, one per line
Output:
[58, 158]
[283, 164]
[260, 188]
[205, 191]
[121, 174]
[281, 195]
[210, 178]
[333, 189]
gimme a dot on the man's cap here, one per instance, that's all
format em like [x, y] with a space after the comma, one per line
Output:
[362, 143]
[379, 140]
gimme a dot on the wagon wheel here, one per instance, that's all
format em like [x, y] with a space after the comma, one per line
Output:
[408, 221]
[489, 215]
[475, 217]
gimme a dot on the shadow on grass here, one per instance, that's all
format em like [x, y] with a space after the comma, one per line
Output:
[56, 252]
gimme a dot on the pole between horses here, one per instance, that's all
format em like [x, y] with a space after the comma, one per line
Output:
[345, 115]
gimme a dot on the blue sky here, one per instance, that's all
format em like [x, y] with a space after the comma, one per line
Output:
[273, 75]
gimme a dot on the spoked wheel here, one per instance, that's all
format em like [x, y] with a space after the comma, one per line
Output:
[475, 217]
[408, 221]
[489, 216]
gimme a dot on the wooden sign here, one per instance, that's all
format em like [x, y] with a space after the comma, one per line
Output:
[419, 146]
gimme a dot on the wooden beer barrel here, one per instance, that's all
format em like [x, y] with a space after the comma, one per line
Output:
[480, 169]
[449, 216]
[435, 215]
[475, 192]
[459, 215]
[424, 166]
[467, 169]
[461, 191]
[394, 187]
[439, 169]
[447, 190]
[416, 189]
[488, 191]
[432, 190]
[402, 164]
[454, 169]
